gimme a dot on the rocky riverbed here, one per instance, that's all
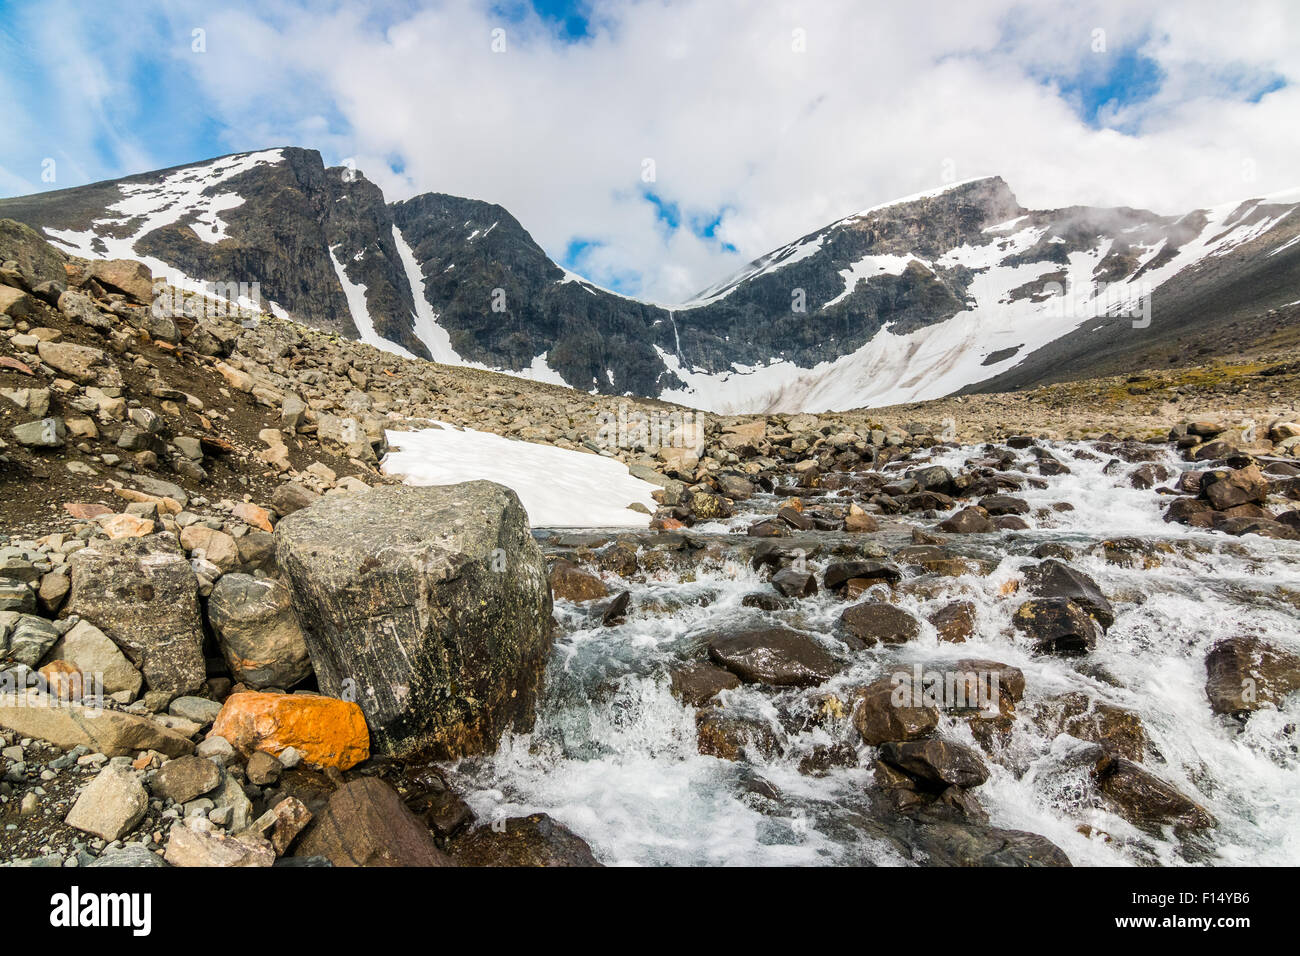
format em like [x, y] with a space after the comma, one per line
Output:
[965, 633]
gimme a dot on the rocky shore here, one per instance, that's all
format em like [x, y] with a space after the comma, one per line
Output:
[228, 638]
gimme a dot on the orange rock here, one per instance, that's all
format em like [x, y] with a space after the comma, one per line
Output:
[253, 515]
[666, 524]
[63, 679]
[327, 732]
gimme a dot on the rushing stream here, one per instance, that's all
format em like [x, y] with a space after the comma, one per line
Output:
[613, 755]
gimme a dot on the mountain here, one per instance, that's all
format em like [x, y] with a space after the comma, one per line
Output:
[956, 289]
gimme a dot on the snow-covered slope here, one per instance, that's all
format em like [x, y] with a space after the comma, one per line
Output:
[955, 288]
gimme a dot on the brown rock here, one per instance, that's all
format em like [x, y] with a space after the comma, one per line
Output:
[875, 622]
[535, 840]
[696, 684]
[366, 824]
[887, 710]
[570, 583]
[955, 622]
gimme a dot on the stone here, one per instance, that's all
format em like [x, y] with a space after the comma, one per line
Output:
[728, 735]
[110, 732]
[998, 505]
[198, 710]
[263, 769]
[126, 526]
[45, 433]
[111, 805]
[217, 546]
[1244, 674]
[1114, 728]
[936, 762]
[133, 279]
[434, 601]
[876, 622]
[887, 711]
[532, 841]
[365, 823]
[132, 855]
[144, 595]
[569, 583]
[1057, 626]
[1243, 486]
[792, 583]
[1055, 579]
[185, 778]
[38, 262]
[291, 497]
[774, 655]
[327, 732]
[971, 520]
[839, 573]
[190, 847]
[697, 684]
[29, 640]
[955, 621]
[77, 362]
[1142, 798]
[281, 825]
[253, 516]
[258, 631]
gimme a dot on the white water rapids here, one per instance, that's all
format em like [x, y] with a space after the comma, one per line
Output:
[613, 755]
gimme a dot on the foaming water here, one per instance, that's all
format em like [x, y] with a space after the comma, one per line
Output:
[613, 755]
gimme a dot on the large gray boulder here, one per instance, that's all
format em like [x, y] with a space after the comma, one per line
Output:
[428, 606]
[144, 595]
[258, 631]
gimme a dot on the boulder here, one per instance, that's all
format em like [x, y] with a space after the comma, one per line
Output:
[325, 731]
[774, 655]
[535, 840]
[1244, 674]
[885, 711]
[1057, 626]
[1142, 798]
[124, 275]
[365, 823]
[110, 732]
[432, 602]
[38, 261]
[88, 649]
[111, 805]
[1239, 487]
[258, 631]
[839, 573]
[697, 684]
[144, 595]
[185, 778]
[936, 762]
[876, 622]
[728, 735]
[291, 497]
[1054, 579]
[569, 583]
[972, 520]
[955, 621]
[190, 847]
[77, 362]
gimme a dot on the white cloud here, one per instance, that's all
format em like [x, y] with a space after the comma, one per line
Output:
[885, 100]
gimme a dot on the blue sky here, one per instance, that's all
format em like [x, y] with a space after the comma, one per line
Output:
[756, 138]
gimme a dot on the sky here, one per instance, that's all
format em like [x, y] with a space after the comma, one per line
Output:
[656, 146]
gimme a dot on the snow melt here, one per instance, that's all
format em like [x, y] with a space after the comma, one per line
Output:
[557, 487]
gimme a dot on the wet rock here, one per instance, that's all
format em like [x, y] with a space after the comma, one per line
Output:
[326, 732]
[875, 622]
[1226, 490]
[1244, 674]
[839, 573]
[1148, 475]
[535, 840]
[616, 612]
[1114, 728]
[1054, 579]
[764, 601]
[144, 595]
[936, 762]
[823, 759]
[697, 684]
[258, 631]
[1057, 626]
[366, 824]
[886, 710]
[774, 655]
[433, 600]
[971, 520]
[728, 735]
[1004, 505]
[111, 805]
[1142, 798]
[792, 583]
[955, 622]
[569, 583]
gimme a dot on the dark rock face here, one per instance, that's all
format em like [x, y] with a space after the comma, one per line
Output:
[586, 332]
[144, 595]
[429, 606]
[365, 824]
[535, 840]
[880, 717]
[1144, 799]
[774, 656]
